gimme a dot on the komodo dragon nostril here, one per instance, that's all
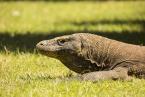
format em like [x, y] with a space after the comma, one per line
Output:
[43, 43]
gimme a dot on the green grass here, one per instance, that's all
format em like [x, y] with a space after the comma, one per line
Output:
[51, 17]
[25, 73]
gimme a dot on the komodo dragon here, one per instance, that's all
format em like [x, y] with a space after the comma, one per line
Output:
[95, 57]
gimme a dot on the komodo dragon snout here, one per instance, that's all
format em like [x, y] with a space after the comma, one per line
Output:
[96, 57]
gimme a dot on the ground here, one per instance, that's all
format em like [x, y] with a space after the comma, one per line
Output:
[25, 73]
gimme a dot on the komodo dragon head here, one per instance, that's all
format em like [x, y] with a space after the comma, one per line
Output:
[60, 46]
[68, 50]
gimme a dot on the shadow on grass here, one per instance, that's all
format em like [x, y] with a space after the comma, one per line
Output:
[141, 22]
[22, 42]
[27, 42]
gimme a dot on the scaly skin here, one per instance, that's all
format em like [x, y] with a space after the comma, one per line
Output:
[96, 57]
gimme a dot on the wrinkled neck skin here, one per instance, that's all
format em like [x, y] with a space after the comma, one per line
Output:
[96, 50]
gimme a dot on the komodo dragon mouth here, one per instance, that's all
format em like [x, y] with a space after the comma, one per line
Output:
[84, 53]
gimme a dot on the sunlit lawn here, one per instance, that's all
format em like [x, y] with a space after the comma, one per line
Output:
[25, 73]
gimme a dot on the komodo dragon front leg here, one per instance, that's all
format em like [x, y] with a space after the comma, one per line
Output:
[117, 73]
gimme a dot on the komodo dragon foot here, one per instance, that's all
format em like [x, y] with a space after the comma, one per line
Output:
[118, 73]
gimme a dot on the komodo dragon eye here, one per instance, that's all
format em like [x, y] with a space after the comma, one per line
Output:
[61, 42]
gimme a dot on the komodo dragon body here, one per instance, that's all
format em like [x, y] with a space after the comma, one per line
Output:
[96, 57]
